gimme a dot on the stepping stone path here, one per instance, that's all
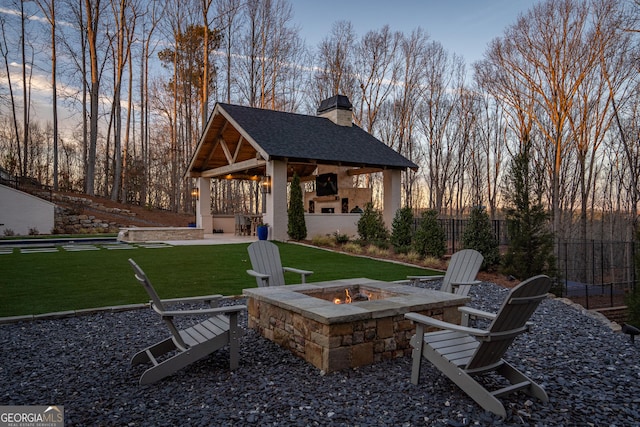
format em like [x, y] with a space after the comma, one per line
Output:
[73, 247]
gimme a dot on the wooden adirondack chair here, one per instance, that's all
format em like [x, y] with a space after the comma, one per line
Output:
[191, 344]
[267, 267]
[463, 353]
[461, 272]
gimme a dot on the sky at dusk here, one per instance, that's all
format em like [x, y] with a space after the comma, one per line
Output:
[464, 27]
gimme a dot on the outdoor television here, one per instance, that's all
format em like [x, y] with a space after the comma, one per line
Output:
[327, 184]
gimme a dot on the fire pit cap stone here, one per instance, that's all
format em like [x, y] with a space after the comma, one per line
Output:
[399, 299]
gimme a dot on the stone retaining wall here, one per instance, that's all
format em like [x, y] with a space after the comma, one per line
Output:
[68, 221]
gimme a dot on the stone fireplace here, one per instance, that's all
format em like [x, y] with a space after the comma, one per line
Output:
[332, 335]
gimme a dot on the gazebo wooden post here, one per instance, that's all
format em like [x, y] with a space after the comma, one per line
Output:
[276, 212]
[204, 219]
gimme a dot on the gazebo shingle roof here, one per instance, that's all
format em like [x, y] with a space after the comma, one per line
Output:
[298, 137]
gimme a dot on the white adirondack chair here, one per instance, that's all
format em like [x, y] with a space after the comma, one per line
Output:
[267, 267]
[464, 354]
[461, 272]
[189, 345]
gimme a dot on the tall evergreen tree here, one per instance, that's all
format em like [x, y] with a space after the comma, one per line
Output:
[478, 235]
[530, 249]
[371, 226]
[430, 238]
[296, 226]
[401, 230]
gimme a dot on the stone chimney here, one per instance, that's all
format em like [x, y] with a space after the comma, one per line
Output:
[338, 109]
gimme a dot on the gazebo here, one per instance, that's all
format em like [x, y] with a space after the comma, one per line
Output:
[270, 146]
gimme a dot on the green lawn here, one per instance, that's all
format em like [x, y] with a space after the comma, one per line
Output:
[49, 282]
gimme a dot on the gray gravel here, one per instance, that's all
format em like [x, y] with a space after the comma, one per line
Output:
[590, 373]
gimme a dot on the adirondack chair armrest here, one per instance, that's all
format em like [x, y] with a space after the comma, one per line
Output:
[302, 273]
[264, 277]
[430, 321]
[202, 311]
[258, 275]
[425, 278]
[298, 271]
[212, 300]
[474, 312]
[473, 282]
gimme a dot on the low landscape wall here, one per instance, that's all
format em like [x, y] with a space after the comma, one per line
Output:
[323, 224]
[152, 234]
[618, 314]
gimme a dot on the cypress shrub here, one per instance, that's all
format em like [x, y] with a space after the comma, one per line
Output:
[430, 238]
[371, 228]
[478, 235]
[530, 250]
[296, 227]
[402, 230]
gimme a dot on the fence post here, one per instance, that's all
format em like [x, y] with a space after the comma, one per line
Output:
[633, 265]
[611, 295]
[602, 270]
[566, 266]
[593, 262]
[453, 235]
[586, 295]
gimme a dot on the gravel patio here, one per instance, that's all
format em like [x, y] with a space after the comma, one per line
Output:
[592, 376]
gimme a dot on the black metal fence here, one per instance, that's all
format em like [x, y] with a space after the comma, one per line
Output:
[593, 273]
[454, 229]
[596, 273]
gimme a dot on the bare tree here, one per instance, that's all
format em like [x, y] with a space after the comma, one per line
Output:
[376, 58]
[26, 90]
[335, 62]
[228, 22]
[49, 10]
[546, 51]
[619, 70]
[15, 156]
[151, 17]
[491, 132]
[204, 106]
[93, 10]
[440, 108]
[125, 17]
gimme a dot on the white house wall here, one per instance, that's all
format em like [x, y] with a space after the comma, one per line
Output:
[22, 212]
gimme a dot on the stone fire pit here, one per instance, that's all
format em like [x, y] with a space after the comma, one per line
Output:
[306, 320]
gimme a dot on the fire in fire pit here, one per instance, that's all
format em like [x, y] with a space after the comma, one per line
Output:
[349, 295]
[348, 299]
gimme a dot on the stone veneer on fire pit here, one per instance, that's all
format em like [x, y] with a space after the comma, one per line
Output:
[337, 336]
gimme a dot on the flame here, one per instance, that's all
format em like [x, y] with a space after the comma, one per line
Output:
[347, 300]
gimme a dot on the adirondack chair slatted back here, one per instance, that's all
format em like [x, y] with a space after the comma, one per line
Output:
[463, 268]
[157, 305]
[510, 322]
[265, 259]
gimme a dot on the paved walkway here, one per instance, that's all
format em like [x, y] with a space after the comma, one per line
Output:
[214, 239]
[81, 244]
